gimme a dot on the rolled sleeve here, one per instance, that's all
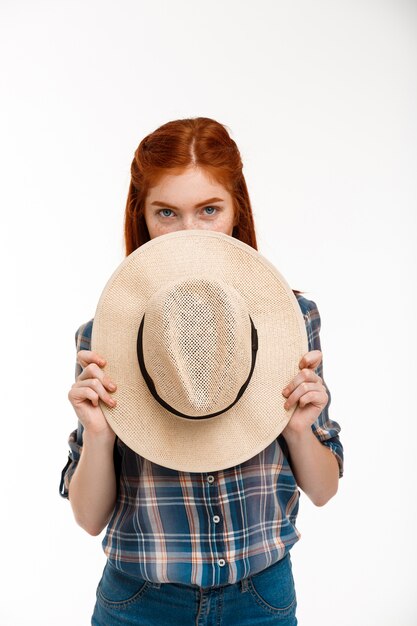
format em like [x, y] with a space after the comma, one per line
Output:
[324, 428]
[75, 443]
[75, 440]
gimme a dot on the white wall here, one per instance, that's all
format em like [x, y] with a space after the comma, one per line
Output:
[321, 98]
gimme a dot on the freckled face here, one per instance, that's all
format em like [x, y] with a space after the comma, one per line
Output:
[186, 201]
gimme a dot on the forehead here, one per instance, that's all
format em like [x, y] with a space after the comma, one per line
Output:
[190, 185]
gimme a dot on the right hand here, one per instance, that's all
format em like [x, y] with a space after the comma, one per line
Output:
[84, 394]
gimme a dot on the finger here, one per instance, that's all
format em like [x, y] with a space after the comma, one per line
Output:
[311, 359]
[77, 395]
[306, 375]
[92, 370]
[84, 357]
[303, 390]
[96, 386]
[312, 397]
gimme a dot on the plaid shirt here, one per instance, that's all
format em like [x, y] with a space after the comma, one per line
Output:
[210, 528]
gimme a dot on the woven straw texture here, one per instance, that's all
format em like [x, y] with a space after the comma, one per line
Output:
[197, 288]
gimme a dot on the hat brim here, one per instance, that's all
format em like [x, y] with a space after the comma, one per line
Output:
[259, 416]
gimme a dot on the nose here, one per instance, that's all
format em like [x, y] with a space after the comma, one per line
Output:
[190, 223]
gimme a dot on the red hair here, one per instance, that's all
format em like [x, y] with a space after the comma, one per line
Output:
[200, 142]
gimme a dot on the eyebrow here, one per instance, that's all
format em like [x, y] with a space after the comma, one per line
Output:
[170, 206]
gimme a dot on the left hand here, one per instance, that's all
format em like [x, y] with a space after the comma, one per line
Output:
[306, 388]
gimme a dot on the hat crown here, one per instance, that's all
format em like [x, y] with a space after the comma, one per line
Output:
[197, 344]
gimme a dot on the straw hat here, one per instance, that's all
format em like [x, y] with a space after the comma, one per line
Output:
[201, 333]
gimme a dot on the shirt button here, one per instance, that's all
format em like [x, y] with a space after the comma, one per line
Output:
[210, 479]
[216, 519]
[221, 562]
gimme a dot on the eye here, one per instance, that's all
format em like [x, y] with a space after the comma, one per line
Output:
[169, 210]
[211, 207]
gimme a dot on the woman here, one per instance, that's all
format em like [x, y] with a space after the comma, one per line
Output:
[189, 567]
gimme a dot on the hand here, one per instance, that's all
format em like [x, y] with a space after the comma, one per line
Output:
[308, 389]
[84, 395]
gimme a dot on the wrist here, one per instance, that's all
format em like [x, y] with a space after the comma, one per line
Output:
[293, 434]
[105, 437]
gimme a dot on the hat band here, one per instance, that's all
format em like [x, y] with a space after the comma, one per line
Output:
[151, 385]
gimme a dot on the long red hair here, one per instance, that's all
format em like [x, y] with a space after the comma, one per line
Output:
[174, 146]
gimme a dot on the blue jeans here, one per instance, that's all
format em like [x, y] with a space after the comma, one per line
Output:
[267, 597]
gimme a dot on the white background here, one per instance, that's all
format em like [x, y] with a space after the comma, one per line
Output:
[321, 98]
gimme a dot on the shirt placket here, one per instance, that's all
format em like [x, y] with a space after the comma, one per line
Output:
[216, 524]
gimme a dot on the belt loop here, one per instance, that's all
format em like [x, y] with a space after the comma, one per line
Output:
[244, 585]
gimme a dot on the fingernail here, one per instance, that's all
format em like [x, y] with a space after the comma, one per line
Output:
[112, 386]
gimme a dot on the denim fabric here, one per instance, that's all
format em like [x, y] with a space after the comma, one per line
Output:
[267, 597]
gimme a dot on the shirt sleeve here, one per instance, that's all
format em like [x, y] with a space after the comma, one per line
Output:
[75, 440]
[325, 429]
